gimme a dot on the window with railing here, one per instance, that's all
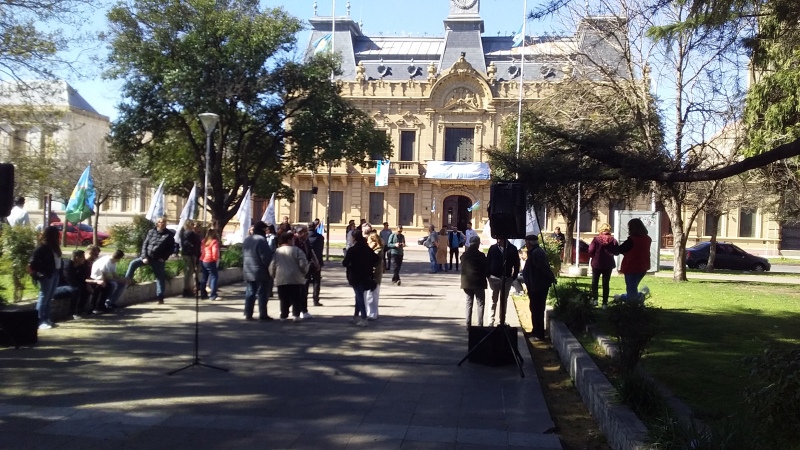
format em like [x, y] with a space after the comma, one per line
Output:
[407, 141]
[459, 144]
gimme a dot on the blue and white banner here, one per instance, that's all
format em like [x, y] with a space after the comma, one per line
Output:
[474, 206]
[323, 44]
[433, 205]
[156, 209]
[382, 173]
[519, 38]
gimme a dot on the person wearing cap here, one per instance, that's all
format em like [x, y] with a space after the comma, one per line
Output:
[538, 277]
[474, 271]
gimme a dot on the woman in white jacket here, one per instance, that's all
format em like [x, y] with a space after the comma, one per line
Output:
[288, 270]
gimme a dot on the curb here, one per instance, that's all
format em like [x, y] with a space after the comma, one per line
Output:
[623, 430]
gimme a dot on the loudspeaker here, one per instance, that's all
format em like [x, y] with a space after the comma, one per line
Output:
[6, 189]
[19, 327]
[507, 210]
[494, 351]
[314, 189]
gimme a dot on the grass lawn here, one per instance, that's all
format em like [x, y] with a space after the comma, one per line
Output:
[708, 326]
[7, 288]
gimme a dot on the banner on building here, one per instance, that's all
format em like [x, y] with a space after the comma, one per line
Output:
[382, 173]
[448, 170]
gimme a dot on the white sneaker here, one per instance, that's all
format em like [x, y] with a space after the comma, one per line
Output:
[297, 319]
[45, 326]
[305, 315]
[362, 323]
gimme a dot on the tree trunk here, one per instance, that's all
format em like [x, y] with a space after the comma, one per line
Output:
[567, 257]
[712, 250]
[673, 209]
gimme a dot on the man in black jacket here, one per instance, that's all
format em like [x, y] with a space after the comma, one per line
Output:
[156, 249]
[314, 276]
[503, 270]
[72, 284]
[538, 277]
[190, 251]
[475, 270]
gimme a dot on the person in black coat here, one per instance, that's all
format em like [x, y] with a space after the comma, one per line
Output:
[474, 271]
[158, 246]
[314, 276]
[190, 251]
[360, 262]
[538, 277]
[503, 270]
[45, 268]
[73, 285]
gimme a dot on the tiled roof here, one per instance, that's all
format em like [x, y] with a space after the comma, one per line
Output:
[398, 48]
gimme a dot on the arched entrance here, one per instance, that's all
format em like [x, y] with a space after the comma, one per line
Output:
[455, 211]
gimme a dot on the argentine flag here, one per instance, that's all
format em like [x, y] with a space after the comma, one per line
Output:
[323, 44]
[474, 206]
[519, 38]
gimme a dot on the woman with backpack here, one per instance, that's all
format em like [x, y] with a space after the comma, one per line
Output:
[45, 266]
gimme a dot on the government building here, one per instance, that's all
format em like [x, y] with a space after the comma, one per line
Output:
[442, 101]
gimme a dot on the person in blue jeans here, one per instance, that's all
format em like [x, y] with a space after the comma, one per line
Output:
[45, 267]
[431, 243]
[156, 249]
[360, 262]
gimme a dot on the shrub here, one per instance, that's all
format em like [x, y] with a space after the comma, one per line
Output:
[573, 305]
[129, 237]
[552, 247]
[172, 268]
[232, 257]
[775, 394]
[634, 324]
[18, 244]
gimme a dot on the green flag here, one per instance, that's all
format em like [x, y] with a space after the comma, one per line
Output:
[81, 202]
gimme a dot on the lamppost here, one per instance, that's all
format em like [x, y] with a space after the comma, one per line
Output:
[209, 121]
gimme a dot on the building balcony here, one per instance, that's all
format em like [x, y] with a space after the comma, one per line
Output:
[401, 168]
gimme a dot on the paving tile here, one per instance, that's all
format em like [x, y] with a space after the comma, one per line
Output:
[430, 433]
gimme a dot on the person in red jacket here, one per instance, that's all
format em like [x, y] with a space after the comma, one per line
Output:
[601, 251]
[636, 261]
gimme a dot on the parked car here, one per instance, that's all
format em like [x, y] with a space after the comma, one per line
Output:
[421, 241]
[728, 256]
[583, 256]
[82, 234]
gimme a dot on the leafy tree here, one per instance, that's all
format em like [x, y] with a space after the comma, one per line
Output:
[180, 59]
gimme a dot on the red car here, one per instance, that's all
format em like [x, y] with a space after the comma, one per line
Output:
[82, 234]
[583, 255]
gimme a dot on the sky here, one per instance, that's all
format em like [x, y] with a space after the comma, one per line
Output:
[390, 17]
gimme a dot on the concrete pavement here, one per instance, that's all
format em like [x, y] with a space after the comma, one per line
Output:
[323, 383]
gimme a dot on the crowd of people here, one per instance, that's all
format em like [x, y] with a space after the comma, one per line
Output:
[289, 260]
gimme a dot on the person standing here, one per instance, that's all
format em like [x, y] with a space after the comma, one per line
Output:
[257, 256]
[455, 240]
[474, 271]
[503, 258]
[209, 262]
[301, 241]
[18, 214]
[561, 240]
[348, 235]
[385, 233]
[190, 251]
[441, 249]
[288, 268]
[285, 226]
[469, 232]
[538, 277]
[104, 274]
[372, 296]
[360, 262]
[156, 249]
[317, 243]
[636, 261]
[601, 252]
[397, 241]
[45, 267]
[431, 243]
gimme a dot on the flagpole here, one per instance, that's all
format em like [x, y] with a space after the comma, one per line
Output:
[521, 75]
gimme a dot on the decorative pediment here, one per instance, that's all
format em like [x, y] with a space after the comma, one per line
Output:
[462, 99]
[462, 66]
[382, 119]
[408, 120]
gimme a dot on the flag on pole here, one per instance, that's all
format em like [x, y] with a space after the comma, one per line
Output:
[382, 173]
[189, 207]
[532, 222]
[245, 214]
[156, 209]
[321, 228]
[474, 206]
[519, 38]
[81, 202]
[269, 213]
[323, 44]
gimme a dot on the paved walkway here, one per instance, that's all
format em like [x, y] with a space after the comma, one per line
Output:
[321, 384]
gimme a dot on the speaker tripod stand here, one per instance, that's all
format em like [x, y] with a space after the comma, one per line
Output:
[196, 361]
[502, 327]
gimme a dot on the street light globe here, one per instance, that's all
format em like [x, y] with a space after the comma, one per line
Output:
[209, 121]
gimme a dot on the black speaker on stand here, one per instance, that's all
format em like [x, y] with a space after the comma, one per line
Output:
[6, 189]
[498, 346]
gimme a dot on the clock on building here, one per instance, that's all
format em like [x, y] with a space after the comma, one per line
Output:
[465, 4]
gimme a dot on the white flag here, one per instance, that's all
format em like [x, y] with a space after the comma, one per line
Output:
[269, 213]
[532, 222]
[382, 173]
[156, 209]
[189, 207]
[245, 214]
[433, 205]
